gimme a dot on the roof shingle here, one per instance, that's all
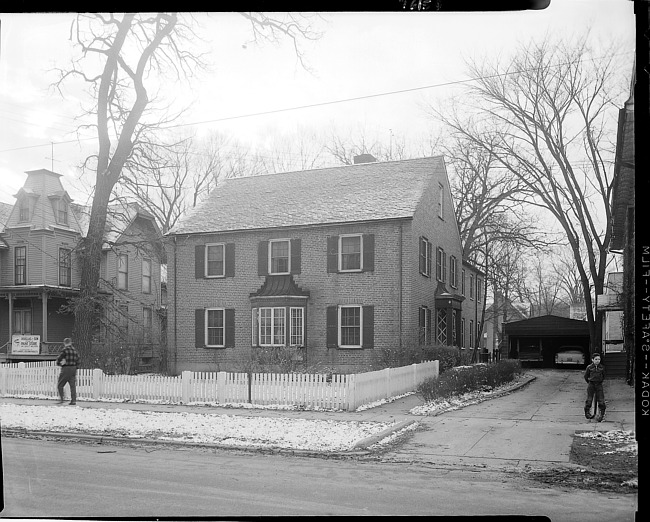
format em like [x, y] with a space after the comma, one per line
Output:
[363, 192]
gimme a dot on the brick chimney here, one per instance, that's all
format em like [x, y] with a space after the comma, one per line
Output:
[364, 158]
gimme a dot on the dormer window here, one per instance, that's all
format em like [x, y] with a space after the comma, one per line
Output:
[23, 210]
[61, 211]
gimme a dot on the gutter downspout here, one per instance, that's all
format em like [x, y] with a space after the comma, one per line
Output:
[399, 288]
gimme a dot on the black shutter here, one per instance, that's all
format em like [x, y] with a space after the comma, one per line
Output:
[332, 327]
[429, 258]
[423, 256]
[199, 261]
[230, 328]
[368, 252]
[368, 327]
[295, 256]
[199, 328]
[332, 254]
[230, 260]
[263, 258]
[428, 311]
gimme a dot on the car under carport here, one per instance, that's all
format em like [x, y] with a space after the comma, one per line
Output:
[536, 341]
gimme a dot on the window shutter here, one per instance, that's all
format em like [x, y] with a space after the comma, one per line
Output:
[199, 261]
[254, 327]
[332, 254]
[230, 260]
[199, 328]
[230, 328]
[429, 258]
[263, 258]
[295, 256]
[423, 255]
[368, 252]
[368, 327]
[332, 327]
[428, 312]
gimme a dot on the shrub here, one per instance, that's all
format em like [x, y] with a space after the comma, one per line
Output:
[463, 379]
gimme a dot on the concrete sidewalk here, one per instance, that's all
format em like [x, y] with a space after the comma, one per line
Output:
[534, 424]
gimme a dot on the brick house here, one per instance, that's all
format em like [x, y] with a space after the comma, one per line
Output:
[39, 272]
[342, 265]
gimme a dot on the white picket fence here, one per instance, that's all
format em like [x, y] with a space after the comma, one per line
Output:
[339, 392]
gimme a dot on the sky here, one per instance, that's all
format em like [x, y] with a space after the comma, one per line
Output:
[370, 71]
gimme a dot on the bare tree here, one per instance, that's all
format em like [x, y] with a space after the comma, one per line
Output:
[129, 51]
[550, 116]
[344, 149]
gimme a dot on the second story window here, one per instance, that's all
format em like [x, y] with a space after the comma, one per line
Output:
[23, 210]
[215, 260]
[350, 250]
[279, 256]
[441, 265]
[146, 276]
[65, 267]
[479, 289]
[462, 282]
[426, 251]
[20, 263]
[471, 286]
[453, 271]
[123, 272]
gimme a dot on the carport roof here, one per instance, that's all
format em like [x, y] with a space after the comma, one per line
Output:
[547, 326]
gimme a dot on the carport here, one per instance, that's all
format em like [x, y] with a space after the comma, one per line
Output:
[537, 340]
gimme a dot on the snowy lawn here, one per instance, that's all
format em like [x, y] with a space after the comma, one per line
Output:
[231, 430]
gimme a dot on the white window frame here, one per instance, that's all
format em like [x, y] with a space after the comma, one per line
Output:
[297, 322]
[146, 287]
[442, 326]
[428, 250]
[121, 286]
[340, 256]
[207, 327]
[340, 326]
[274, 311]
[208, 246]
[270, 256]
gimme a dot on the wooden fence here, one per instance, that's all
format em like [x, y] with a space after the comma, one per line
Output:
[340, 392]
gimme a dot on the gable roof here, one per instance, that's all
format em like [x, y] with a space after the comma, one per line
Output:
[351, 193]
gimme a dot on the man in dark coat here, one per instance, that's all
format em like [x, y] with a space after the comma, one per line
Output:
[68, 360]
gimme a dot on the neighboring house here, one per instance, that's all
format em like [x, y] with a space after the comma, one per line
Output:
[623, 235]
[338, 266]
[500, 311]
[39, 273]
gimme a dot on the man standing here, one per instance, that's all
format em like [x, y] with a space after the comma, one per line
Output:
[68, 359]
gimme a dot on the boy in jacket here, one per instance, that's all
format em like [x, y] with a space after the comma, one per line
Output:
[594, 376]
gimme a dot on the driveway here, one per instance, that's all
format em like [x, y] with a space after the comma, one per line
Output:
[532, 426]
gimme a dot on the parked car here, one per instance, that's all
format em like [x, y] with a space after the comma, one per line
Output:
[573, 355]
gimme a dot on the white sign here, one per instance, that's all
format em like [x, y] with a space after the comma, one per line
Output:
[26, 344]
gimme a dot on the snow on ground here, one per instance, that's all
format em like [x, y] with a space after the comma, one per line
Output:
[232, 430]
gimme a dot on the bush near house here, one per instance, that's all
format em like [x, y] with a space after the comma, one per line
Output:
[463, 379]
[448, 356]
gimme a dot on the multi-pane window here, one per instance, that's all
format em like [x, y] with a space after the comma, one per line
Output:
[123, 272]
[441, 329]
[350, 249]
[147, 324]
[279, 256]
[462, 332]
[65, 266]
[426, 250]
[441, 265]
[146, 276]
[61, 208]
[297, 327]
[471, 333]
[453, 271]
[479, 289]
[20, 263]
[350, 326]
[22, 322]
[215, 260]
[23, 210]
[424, 324]
[272, 329]
[215, 327]
[441, 199]
[471, 286]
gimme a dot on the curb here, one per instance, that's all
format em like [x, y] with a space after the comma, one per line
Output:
[364, 444]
